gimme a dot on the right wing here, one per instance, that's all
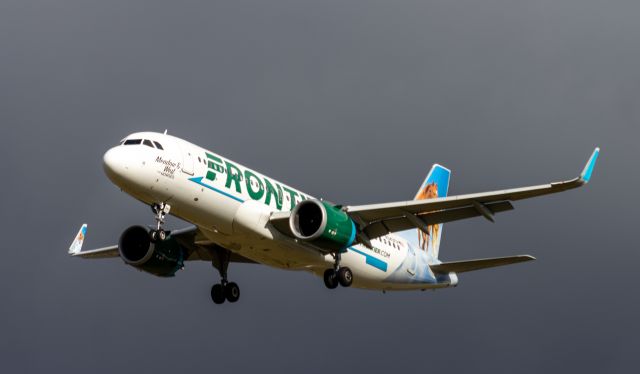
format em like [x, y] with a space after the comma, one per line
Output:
[190, 239]
[377, 220]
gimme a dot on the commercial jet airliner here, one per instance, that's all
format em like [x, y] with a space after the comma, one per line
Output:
[242, 216]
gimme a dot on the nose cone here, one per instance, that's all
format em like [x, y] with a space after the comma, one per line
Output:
[114, 164]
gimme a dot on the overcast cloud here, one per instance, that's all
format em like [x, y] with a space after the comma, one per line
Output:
[347, 100]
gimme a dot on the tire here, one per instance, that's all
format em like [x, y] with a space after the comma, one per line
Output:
[345, 277]
[153, 235]
[330, 279]
[217, 293]
[162, 235]
[232, 292]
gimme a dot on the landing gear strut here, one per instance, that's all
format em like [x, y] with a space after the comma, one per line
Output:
[338, 275]
[224, 290]
[160, 210]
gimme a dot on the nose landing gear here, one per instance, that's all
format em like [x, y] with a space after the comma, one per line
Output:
[160, 210]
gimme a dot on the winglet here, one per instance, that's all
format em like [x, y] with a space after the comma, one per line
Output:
[585, 176]
[76, 246]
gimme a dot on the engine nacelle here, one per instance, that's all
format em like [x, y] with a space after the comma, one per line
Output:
[322, 224]
[163, 258]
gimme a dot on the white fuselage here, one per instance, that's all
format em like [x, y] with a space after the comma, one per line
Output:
[231, 205]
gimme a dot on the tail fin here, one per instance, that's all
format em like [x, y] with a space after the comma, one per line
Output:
[436, 184]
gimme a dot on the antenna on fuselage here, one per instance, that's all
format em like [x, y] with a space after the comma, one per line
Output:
[165, 131]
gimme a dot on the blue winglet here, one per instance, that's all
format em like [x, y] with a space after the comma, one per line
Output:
[588, 169]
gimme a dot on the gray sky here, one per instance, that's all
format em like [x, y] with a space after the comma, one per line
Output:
[347, 100]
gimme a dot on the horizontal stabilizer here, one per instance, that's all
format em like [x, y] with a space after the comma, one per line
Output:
[471, 265]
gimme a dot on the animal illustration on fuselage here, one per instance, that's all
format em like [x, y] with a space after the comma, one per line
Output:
[429, 191]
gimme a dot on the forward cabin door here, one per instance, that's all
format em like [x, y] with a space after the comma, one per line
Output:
[187, 157]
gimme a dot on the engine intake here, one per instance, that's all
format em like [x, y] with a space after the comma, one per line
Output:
[322, 224]
[163, 258]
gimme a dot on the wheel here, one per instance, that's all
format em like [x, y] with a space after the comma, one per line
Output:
[217, 293]
[345, 277]
[330, 279]
[158, 235]
[232, 292]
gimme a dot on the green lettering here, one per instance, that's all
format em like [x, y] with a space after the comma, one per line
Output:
[249, 178]
[293, 195]
[215, 165]
[272, 191]
[233, 175]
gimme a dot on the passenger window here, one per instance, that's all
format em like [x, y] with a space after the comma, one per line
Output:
[147, 143]
[158, 145]
[133, 141]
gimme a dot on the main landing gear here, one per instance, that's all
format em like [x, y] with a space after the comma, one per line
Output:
[160, 210]
[338, 275]
[224, 290]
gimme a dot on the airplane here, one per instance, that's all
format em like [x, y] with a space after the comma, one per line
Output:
[242, 216]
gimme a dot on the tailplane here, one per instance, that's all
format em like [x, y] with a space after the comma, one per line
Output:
[435, 185]
[471, 265]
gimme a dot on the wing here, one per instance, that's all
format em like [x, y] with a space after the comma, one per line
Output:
[75, 249]
[380, 219]
[191, 240]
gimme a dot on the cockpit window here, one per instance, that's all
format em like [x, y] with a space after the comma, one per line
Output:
[158, 145]
[132, 141]
[148, 143]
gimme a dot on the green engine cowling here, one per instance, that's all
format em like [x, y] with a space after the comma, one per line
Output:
[322, 224]
[163, 258]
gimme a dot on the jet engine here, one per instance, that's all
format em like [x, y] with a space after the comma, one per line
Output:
[322, 224]
[161, 258]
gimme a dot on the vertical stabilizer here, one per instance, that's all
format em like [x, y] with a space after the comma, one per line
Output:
[435, 185]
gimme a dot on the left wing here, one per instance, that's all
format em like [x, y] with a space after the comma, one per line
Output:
[75, 249]
[190, 239]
